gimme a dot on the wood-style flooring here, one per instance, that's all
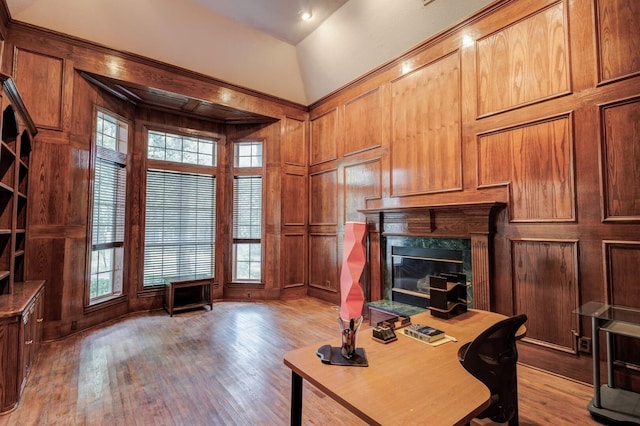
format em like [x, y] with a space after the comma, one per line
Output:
[222, 367]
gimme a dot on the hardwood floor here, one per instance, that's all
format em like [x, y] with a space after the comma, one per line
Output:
[222, 367]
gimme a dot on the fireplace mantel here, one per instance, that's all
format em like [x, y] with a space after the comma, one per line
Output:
[475, 221]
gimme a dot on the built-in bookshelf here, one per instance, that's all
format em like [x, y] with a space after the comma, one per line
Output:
[18, 131]
[21, 302]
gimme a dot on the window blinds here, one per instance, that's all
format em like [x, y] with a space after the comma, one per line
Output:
[247, 208]
[108, 204]
[180, 226]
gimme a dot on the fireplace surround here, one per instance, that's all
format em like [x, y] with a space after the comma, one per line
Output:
[472, 221]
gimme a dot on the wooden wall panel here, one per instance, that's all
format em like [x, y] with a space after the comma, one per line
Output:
[48, 184]
[618, 33]
[365, 108]
[545, 287]
[621, 157]
[525, 62]
[362, 182]
[40, 81]
[324, 137]
[294, 201]
[323, 209]
[622, 288]
[77, 212]
[46, 260]
[621, 261]
[294, 260]
[539, 157]
[294, 143]
[323, 261]
[495, 159]
[426, 142]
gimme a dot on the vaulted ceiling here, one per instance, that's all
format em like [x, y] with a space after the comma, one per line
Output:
[258, 44]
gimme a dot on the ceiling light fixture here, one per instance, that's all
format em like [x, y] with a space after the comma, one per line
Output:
[306, 14]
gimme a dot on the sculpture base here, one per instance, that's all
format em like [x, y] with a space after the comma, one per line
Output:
[331, 355]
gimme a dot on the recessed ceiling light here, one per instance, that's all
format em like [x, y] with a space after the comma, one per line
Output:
[305, 15]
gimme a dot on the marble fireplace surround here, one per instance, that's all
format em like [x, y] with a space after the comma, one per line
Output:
[475, 221]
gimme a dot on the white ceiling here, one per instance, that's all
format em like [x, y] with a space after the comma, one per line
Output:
[279, 18]
[257, 44]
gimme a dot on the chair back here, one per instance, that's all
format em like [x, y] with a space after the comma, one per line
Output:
[491, 357]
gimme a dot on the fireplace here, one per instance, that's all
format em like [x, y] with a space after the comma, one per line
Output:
[473, 224]
[411, 261]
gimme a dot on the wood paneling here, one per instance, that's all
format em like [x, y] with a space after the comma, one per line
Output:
[621, 157]
[294, 202]
[537, 160]
[324, 137]
[40, 79]
[294, 143]
[618, 32]
[49, 177]
[323, 261]
[622, 288]
[294, 260]
[46, 261]
[364, 108]
[545, 287]
[362, 181]
[323, 192]
[425, 142]
[525, 62]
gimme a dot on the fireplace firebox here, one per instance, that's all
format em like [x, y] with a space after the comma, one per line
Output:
[412, 267]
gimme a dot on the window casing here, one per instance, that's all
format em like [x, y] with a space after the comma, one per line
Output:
[180, 208]
[247, 212]
[108, 200]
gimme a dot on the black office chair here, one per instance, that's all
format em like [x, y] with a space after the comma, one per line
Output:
[491, 358]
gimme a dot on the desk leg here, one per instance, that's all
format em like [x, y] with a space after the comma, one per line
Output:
[610, 376]
[296, 399]
[595, 349]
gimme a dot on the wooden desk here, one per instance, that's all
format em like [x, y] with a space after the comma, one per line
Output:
[407, 381]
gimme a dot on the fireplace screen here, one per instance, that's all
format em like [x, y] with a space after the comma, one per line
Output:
[412, 267]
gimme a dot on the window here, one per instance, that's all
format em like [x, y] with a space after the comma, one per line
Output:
[108, 200]
[180, 212]
[181, 149]
[247, 212]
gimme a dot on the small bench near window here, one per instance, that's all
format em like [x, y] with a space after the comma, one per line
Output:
[185, 293]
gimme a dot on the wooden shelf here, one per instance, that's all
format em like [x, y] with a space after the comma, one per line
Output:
[21, 303]
[5, 187]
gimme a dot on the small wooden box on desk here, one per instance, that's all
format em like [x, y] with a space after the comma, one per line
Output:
[189, 292]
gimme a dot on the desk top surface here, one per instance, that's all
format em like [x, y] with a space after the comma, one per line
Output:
[407, 381]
